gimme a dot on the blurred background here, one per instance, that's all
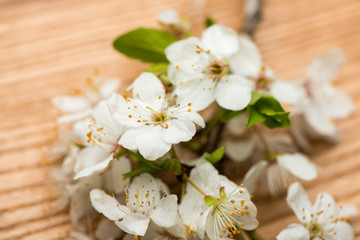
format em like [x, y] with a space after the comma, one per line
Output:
[48, 48]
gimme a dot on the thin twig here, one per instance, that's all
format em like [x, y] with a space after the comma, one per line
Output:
[253, 15]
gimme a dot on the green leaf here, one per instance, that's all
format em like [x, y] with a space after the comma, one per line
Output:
[209, 21]
[215, 156]
[228, 115]
[157, 68]
[145, 44]
[160, 70]
[176, 167]
[266, 109]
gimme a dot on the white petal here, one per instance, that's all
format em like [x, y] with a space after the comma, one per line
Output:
[339, 105]
[90, 156]
[297, 129]
[326, 203]
[150, 143]
[168, 16]
[220, 40]
[247, 61]
[342, 229]
[234, 94]
[299, 165]
[286, 92]
[74, 116]
[128, 139]
[149, 89]
[108, 205]
[94, 168]
[178, 131]
[294, 232]
[202, 222]
[237, 125]
[134, 223]
[200, 93]
[240, 151]
[80, 129]
[107, 230]
[318, 119]
[109, 87]
[71, 104]
[165, 212]
[298, 200]
[114, 176]
[179, 229]
[196, 118]
[183, 51]
[326, 68]
[348, 210]
[254, 174]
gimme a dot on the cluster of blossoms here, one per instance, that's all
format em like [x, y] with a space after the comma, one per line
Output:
[142, 164]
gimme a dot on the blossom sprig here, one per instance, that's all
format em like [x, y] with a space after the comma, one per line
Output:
[157, 138]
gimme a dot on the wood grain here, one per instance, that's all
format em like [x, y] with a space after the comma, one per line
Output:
[48, 47]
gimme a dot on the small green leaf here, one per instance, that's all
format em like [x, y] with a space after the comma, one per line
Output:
[266, 109]
[210, 201]
[209, 21]
[160, 70]
[166, 164]
[176, 167]
[222, 194]
[254, 116]
[215, 156]
[145, 44]
[157, 68]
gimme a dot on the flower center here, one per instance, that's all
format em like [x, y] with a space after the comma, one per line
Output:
[159, 117]
[263, 83]
[217, 69]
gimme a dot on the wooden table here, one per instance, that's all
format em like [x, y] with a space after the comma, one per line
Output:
[48, 47]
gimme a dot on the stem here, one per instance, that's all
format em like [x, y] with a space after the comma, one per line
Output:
[173, 153]
[183, 188]
[217, 115]
[186, 178]
[253, 16]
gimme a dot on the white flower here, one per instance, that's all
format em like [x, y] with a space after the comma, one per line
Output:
[80, 105]
[107, 230]
[319, 222]
[211, 69]
[154, 232]
[143, 202]
[102, 142]
[153, 125]
[230, 210]
[321, 102]
[172, 23]
[168, 16]
[246, 145]
[80, 205]
[280, 174]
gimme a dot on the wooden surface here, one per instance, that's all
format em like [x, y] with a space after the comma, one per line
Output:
[48, 47]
